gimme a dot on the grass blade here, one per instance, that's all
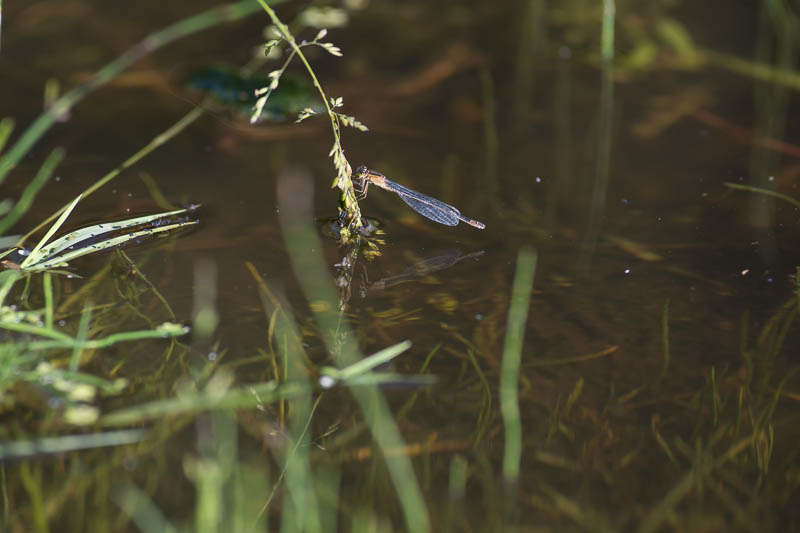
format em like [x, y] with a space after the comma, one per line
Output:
[294, 194]
[364, 366]
[96, 230]
[32, 189]
[190, 403]
[68, 443]
[34, 256]
[6, 127]
[512, 356]
[49, 257]
[140, 508]
[765, 192]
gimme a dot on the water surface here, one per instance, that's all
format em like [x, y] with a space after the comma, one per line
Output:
[650, 387]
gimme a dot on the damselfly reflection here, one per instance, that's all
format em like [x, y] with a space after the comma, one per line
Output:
[426, 206]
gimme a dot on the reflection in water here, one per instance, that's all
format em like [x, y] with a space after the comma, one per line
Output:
[347, 265]
[776, 46]
[231, 88]
[603, 134]
[435, 263]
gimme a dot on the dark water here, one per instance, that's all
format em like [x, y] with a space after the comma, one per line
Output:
[503, 111]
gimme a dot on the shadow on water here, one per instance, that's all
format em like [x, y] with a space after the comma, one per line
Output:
[615, 351]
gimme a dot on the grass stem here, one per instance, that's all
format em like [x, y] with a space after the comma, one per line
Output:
[607, 35]
[349, 200]
[512, 357]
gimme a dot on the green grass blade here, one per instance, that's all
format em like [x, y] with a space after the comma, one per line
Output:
[7, 280]
[302, 502]
[456, 491]
[80, 338]
[302, 510]
[34, 256]
[386, 378]
[31, 477]
[6, 127]
[32, 189]
[53, 259]
[47, 289]
[51, 374]
[301, 237]
[60, 340]
[367, 364]
[20, 327]
[135, 503]
[512, 356]
[64, 242]
[68, 443]
[191, 403]
[607, 32]
[765, 192]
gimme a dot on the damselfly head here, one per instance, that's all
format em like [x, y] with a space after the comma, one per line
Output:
[360, 171]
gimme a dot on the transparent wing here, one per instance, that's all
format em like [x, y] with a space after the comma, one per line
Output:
[428, 207]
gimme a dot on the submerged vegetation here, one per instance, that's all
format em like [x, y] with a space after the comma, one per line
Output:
[239, 93]
[513, 405]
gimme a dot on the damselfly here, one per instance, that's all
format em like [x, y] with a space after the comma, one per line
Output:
[426, 206]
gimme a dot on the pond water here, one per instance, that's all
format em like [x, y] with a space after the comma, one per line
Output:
[656, 386]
